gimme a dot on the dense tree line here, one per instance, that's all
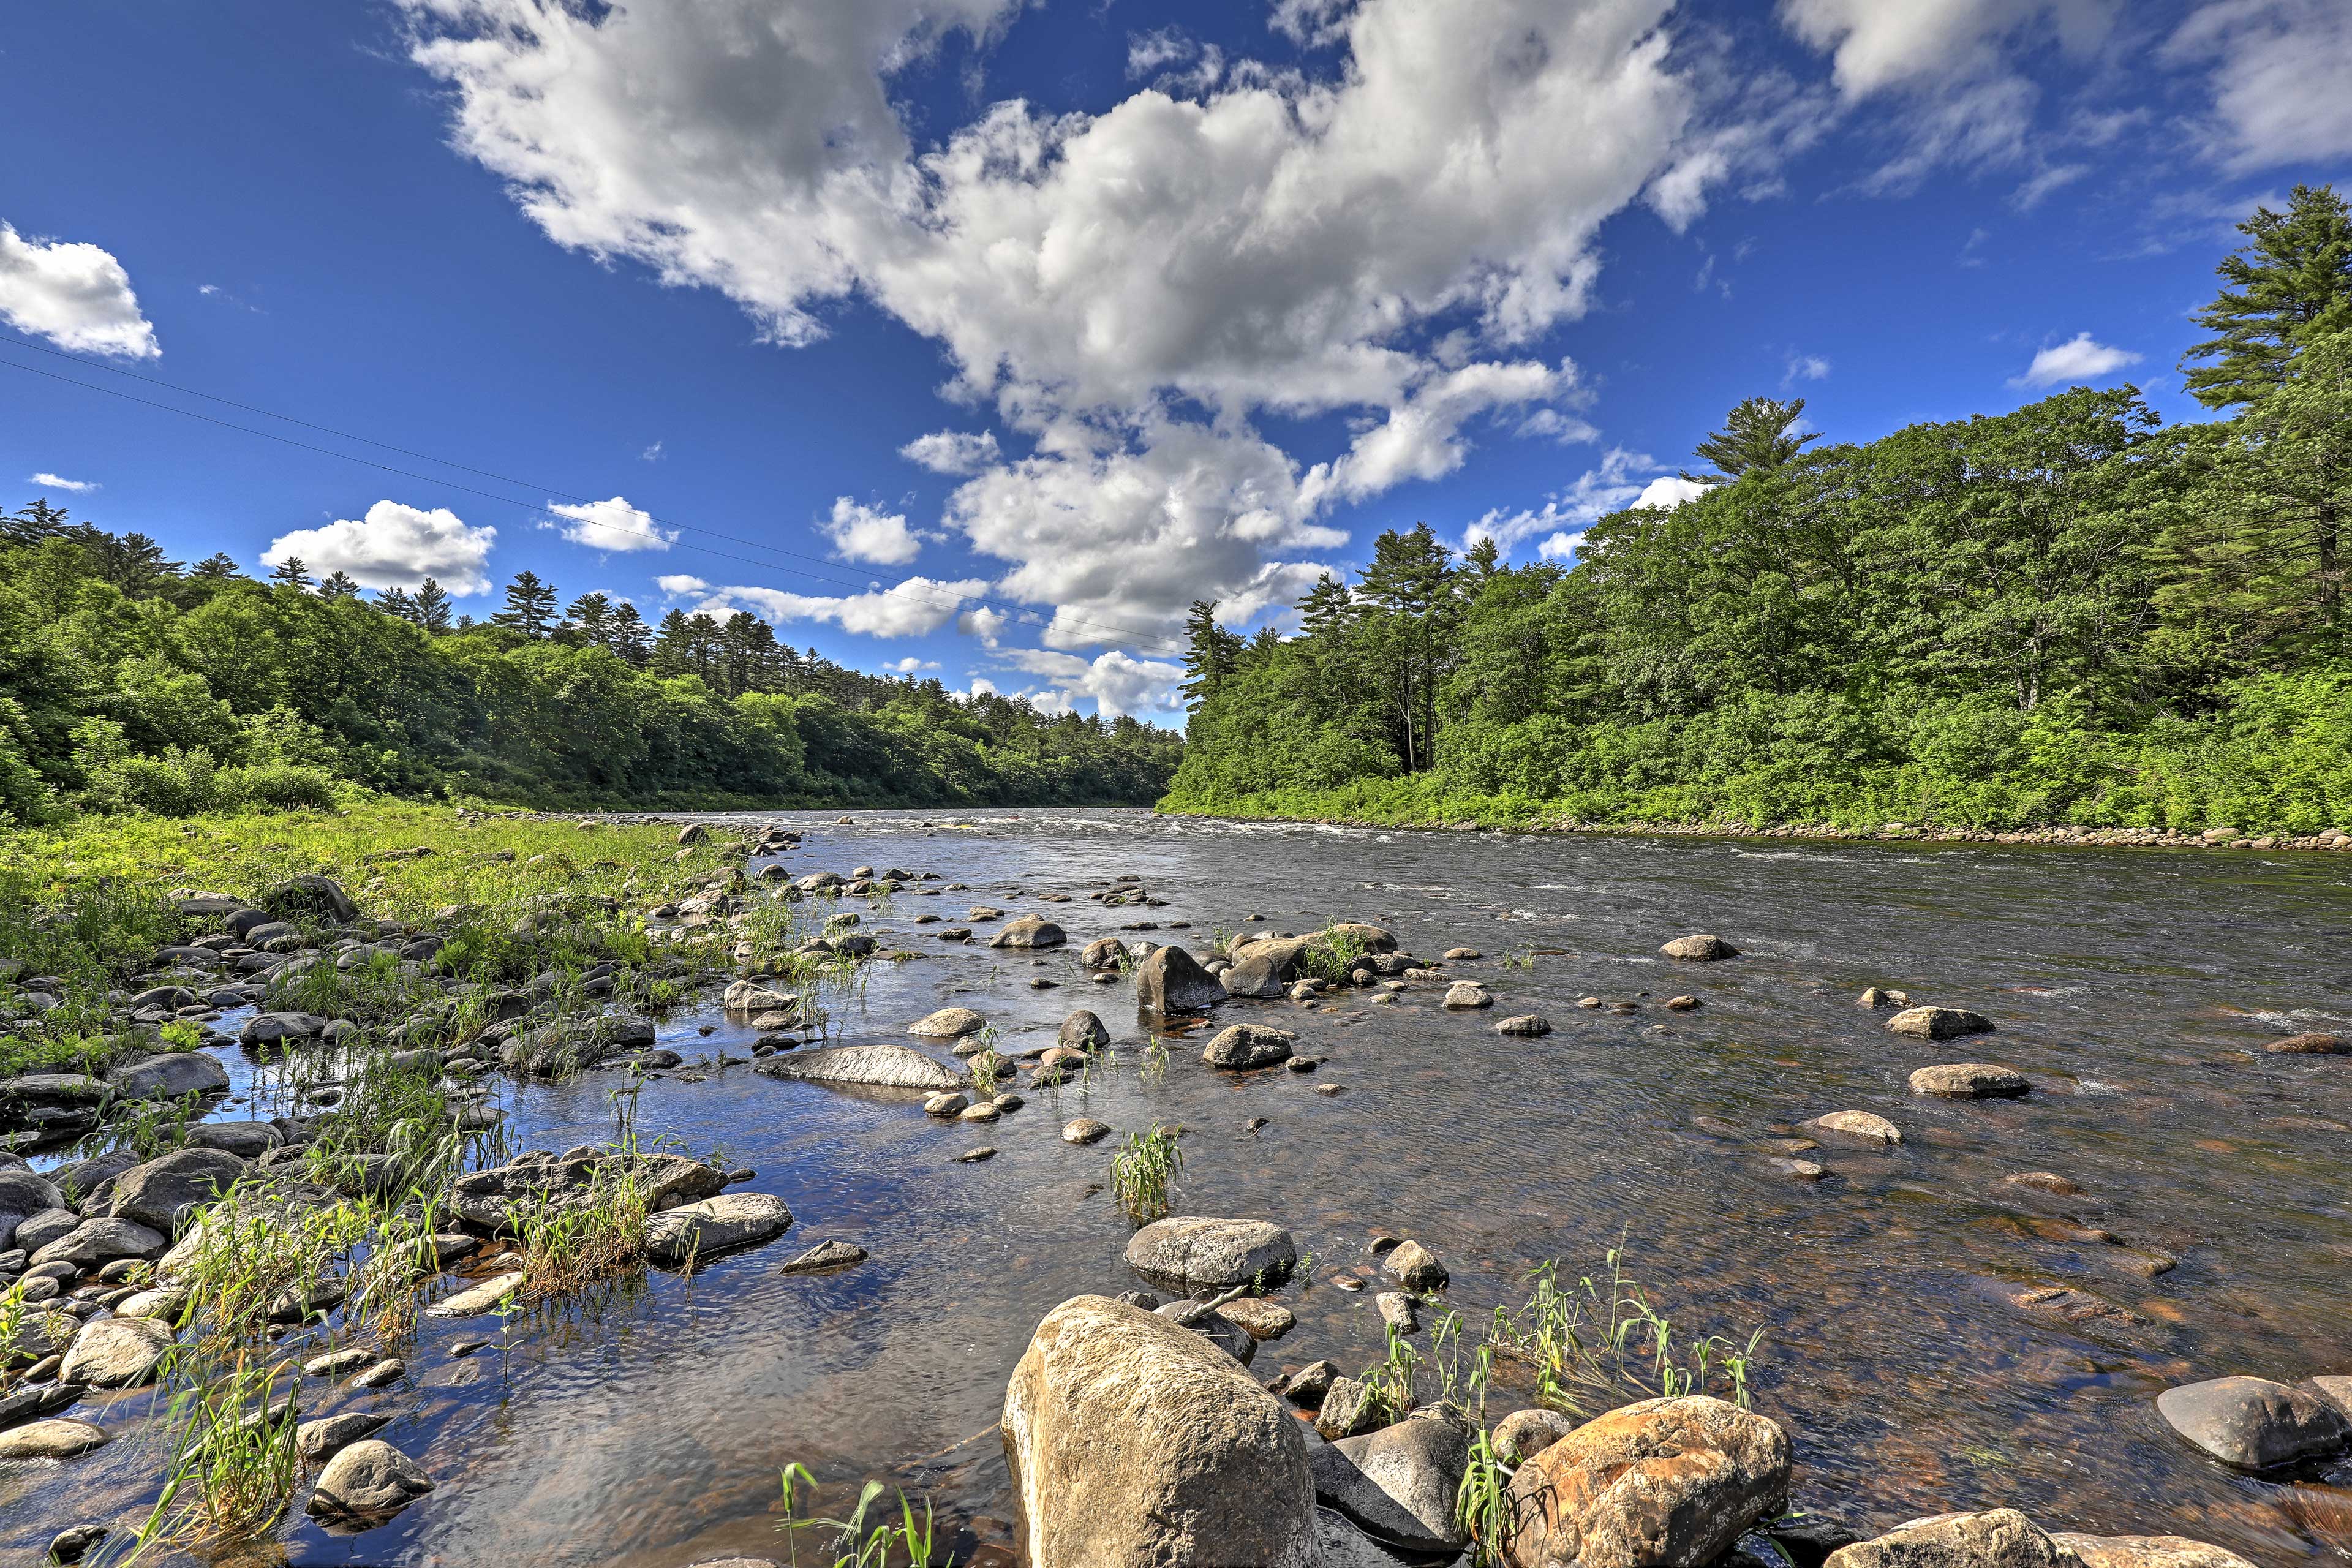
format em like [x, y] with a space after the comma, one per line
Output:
[129, 680]
[2068, 612]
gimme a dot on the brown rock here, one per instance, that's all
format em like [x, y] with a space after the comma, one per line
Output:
[1999, 1538]
[2145, 1551]
[1666, 1483]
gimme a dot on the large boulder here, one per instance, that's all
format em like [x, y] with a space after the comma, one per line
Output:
[1397, 1484]
[278, 1028]
[1134, 1443]
[24, 1194]
[1996, 1538]
[59, 1438]
[1938, 1023]
[36, 1231]
[1245, 1046]
[500, 1198]
[321, 898]
[115, 1352]
[164, 1193]
[949, 1022]
[1081, 1031]
[1189, 1251]
[2253, 1423]
[175, 1075]
[722, 1223]
[1029, 931]
[370, 1480]
[1171, 981]
[1970, 1080]
[1265, 968]
[1666, 1483]
[881, 1066]
[2145, 1551]
[1700, 948]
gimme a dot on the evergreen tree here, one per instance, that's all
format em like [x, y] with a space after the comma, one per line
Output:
[591, 616]
[530, 607]
[673, 653]
[35, 522]
[339, 584]
[2291, 280]
[1413, 578]
[631, 638]
[397, 602]
[1327, 608]
[213, 568]
[291, 574]
[1757, 435]
[433, 607]
[1209, 652]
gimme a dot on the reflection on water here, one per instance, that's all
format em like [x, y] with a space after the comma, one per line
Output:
[1936, 1338]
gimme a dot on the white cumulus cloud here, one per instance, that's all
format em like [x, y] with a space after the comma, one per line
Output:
[2280, 79]
[951, 451]
[394, 546]
[915, 607]
[910, 665]
[74, 294]
[1118, 682]
[2078, 359]
[59, 482]
[1593, 494]
[867, 533]
[612, 526]
[678, 584]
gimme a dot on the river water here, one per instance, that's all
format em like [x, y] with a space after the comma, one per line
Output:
[2135, 989]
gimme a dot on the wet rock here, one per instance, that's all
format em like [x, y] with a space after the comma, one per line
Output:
[1171, 981]
[1217, 1329]
[497, 1199]
[1523, 1434]
[974, 1156]
[949, 1022]
[1397, 1484]
[1665, 1483]
[278, 1028]
[1468, 994]
[985, 1111]
[1807, 1539]
[1998, 1537]
[1699, 948]
[1190, 1251]
[1461, 955]
[2253, 1423]
[115, 1352]
[1081, 1031]
[370, 1480]
[1529, 1025]
[23, 1194]
[322, 1440]
[1134, 1444]
[1085, 1130]
[382, 1373]
[1683, 1003]
[58, 1439]
[1877, 996]
[1416, 1266]
[335, 1362]
[1970, 1080]
[714, 1226]
[1103, 952]
[1029, 932]
[1261, 1319]
[2143, 1551]
[945, 1105]
[1347, 1408]
[246, 1140]
[476, 1300]
[73, 1545]
[1247, 1045]
[175, 1075]
[1399, 1311]
[884, 1066]
[1800, 1170]
[1309, 1385]
[751, 996]
[824, 1256]
[2315, 1043]
[1938, 1023]
[2044, 1180]
[100, 1241]
[1856, 1126]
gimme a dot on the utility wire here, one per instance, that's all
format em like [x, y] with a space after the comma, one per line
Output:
[1147, 641]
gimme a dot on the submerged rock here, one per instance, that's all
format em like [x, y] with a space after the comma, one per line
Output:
[1665, 1483]
[2143, 1552]
[823, 1257]
[1189, 1251]
[1700, 948]
[1859, 1126]
[2315, 1044]
[881, 1066]
[1996, 1538]
[371, 1479]
[1133, 1444]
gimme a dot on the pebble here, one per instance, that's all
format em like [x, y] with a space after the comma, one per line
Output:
[973, 1156]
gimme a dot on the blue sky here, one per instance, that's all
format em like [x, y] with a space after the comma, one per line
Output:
[978, 338]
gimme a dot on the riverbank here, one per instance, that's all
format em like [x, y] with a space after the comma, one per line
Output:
[1467, 813]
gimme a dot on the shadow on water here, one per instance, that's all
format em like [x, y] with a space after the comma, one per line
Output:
[1936, 1337]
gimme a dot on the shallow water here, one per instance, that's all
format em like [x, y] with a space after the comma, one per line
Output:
[2135, 988]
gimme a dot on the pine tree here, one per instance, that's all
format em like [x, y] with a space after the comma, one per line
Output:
[1327, 608]
[213, 568]
[1756, 437]
[34, 523]
[530, 605]
[672, 652]
[433, 607]
[290, 573]
[397, 602]
[1413, 578]
[339, 586]
[590, 615]
[2291, 280]
[631, 638]
[1209, 653]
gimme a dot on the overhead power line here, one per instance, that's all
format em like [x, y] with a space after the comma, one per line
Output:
[1151, 642]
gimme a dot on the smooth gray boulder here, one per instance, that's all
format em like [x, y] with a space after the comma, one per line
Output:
[1081, 1031]
[1996, 1538]
[1133, 1443]
[949, 1022]
[723, 1224]
[370, 1480]
[1700, 948]
[1188, 1251]
[164, 1193]
[1171, 981]
[2255, 1424]
[1397, 1484]
[97, 1242]
[115, 1352]
[1938, 1023]
[322, 1440]
[880, 1066]
[502, 1197]
[1029, 932]
[1245, 1046]
[1265, 968]
[175, 1075]
[36, 1231]
[1970, 1080]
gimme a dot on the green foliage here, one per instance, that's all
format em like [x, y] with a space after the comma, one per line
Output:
[1142, 1172]
[1597, 1346]
[127, 686]
[860, 1540]
[2068, 613]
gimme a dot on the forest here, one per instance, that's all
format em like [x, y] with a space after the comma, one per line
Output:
[2069, 613]
[129, 681]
